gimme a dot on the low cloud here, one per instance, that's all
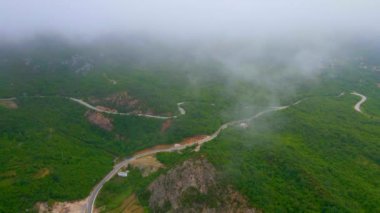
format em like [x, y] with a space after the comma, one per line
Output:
[196, 19]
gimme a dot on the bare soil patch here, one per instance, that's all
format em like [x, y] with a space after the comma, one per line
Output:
[166, 125]
[123, 102]
[99, 120]
[121, 99]
[147, 165]
[192, 140]
[42, 173]
[9, 104]
[158, 147]
[62, 207]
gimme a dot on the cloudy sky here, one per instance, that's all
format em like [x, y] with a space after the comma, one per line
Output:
[190, 19]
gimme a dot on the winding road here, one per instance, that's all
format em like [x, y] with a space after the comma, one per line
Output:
[180, 109]
[358, 104]
[175, 147]
[81, 102]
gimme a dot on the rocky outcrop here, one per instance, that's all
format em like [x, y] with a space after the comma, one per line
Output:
[99, 120]
[193, 187]
[123, 99]
[123, 102]
[120, 100]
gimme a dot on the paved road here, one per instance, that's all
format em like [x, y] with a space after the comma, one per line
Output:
[180, 109]
[81, 102]
[89, 106]
[94, 193]
[177, 147]
[358, 104]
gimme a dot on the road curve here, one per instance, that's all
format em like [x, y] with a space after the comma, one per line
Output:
[94, 193]
[180, 109]
[175, 147]
[358, 104]
[89, 106]
[83, 103]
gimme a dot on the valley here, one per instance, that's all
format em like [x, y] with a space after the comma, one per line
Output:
[189, 106]
[272, 146]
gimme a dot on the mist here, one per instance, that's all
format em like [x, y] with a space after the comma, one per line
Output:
[247, 38]
[191, 20]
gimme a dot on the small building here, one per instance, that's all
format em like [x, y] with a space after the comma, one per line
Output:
[243, 125]
[122, 174]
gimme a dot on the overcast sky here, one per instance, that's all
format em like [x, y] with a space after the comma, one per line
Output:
[190, 18]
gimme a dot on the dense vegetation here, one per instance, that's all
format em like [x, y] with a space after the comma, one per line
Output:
[319, 155]
[47, 155]
[305, 158]
[48, 148]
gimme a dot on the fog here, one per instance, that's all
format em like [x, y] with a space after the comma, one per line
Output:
[194, 20]
[270, 44]
[290, 35]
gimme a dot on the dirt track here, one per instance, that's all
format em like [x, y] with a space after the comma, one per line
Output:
[358, 104]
